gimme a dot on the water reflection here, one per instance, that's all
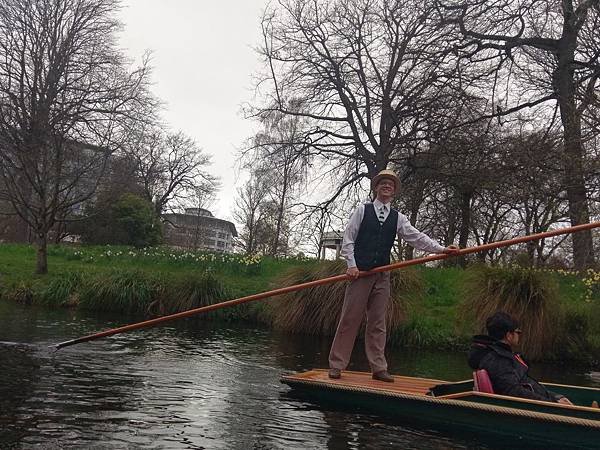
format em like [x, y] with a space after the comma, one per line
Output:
[193, 384]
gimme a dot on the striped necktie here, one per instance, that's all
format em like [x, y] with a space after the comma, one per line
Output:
[381, 215]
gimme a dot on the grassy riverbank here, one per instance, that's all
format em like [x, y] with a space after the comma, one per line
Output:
[431, 309]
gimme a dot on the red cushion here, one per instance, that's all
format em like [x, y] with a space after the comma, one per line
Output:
[482, 382]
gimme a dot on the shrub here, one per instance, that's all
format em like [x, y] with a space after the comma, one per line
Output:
[130, 220]
[529, 295]
[317, 310]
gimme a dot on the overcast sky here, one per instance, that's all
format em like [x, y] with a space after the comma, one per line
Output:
[203, 61]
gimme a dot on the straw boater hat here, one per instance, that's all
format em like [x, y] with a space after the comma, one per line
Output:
[390, 175]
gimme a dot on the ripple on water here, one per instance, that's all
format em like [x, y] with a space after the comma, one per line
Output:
[192, 385]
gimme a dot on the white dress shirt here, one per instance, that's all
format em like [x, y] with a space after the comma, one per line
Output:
[404, 230]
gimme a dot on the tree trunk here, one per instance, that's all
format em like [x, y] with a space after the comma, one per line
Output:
[583, 256]
[41, 267]
[280, 211]
[275, 246]
[250, 243]
[564, 85]
[530, 229]
[451, 231]
[465, 224]
[540, 259]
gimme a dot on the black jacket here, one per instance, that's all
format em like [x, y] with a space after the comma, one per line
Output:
[508, 371]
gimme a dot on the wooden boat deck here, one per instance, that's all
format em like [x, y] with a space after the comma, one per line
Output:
[401, 385]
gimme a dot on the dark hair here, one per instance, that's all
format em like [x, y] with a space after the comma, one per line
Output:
[499, 324]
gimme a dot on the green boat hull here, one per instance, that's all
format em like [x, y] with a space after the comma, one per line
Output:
[517, 422]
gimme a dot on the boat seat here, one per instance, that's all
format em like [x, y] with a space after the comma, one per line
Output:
[482, 382]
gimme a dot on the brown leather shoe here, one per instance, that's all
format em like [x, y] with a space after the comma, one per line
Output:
[383, 376]
[335, 373]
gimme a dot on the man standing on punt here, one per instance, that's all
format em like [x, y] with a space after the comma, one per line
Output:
[367, 244]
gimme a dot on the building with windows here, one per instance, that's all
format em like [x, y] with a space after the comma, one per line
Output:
[198, 229]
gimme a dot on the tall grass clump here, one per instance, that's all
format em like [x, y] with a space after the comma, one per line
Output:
[531, 296]
[128, 292]
[62, 290]
[189, 292]
[317, 310]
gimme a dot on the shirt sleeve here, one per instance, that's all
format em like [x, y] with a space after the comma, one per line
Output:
[415, 238]
[350, 235]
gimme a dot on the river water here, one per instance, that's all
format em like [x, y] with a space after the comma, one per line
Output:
[195, 384]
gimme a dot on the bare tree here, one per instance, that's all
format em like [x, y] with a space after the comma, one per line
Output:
[280, 154]
[267, 226]
[170, 166]
[247, 211]
[542, 52]
[537, 189]
[493, 220]
[64, 90]
[448, 168]
[367, 74]
[467, 161]
[315, 228]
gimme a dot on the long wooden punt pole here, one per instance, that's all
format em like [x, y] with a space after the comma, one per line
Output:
[335, 279]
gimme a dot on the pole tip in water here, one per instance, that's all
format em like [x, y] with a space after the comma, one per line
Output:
[57, 347]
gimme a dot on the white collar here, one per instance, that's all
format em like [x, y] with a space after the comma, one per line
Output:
[377, 204]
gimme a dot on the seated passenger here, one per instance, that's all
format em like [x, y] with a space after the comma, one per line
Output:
[507, 370]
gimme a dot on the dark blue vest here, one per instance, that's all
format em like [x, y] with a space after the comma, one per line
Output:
[374, 241]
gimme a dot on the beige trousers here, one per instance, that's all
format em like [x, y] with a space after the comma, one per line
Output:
[370, 295]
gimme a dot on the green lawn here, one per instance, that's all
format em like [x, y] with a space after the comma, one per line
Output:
[243, 275]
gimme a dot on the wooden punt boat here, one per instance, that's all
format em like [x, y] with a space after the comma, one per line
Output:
[451, 405]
